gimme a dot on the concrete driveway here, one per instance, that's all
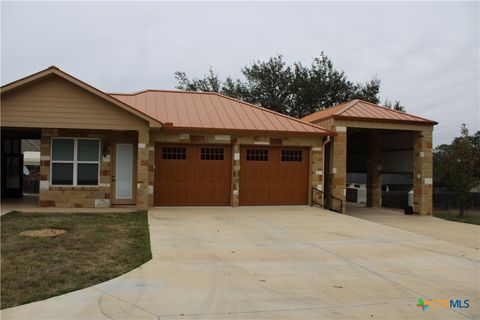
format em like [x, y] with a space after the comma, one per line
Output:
[277, 263]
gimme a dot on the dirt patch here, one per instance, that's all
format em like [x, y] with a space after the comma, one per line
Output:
[42, 233]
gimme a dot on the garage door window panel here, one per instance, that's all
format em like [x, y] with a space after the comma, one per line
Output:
[208, 153]
[291, 155]
[174, 153]
[257, 155]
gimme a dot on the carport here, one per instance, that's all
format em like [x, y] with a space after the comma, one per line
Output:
[18, 176]
[375, 141]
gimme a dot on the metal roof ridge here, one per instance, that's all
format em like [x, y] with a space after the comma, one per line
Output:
[159, 90]
[396, 111]
[273, 112]
[347, 107]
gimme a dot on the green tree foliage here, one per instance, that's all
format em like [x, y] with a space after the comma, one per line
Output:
[456, 165]
[394, 105]
[296, 90]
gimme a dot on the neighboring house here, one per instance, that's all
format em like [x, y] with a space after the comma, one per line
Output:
[156, 147]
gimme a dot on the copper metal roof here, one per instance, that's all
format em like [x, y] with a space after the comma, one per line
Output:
[366, 111]
[208, 110]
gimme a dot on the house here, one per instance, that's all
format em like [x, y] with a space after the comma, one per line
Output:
[157, 147]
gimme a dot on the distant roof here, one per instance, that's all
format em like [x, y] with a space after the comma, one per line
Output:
[366, 111]
[209, 110]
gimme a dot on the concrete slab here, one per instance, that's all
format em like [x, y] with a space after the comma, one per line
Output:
[277, 263]
[463, 234]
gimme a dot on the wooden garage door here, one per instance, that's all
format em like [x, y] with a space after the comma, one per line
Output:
[192, 174]
[273, 175]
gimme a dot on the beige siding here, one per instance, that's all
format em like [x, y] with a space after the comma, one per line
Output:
[56, 103]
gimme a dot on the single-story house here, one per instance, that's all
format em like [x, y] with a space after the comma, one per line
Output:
[163, 148]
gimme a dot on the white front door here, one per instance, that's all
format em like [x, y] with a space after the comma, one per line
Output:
[123, 177]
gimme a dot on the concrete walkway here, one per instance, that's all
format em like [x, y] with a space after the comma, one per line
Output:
[277, 263]
[29, 203]
[463, 234]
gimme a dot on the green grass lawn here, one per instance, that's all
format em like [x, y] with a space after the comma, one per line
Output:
[96, 247]
[472, 217]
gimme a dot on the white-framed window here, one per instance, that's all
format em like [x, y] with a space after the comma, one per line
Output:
[75, 162]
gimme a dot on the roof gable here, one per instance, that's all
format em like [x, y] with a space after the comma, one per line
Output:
[57, 72]
[209, 110]
[366, 111]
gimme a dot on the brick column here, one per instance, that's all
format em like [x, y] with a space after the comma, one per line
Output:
[236, 174]
[339, 166]
[422, 172]
[374, 172]
[142, 169]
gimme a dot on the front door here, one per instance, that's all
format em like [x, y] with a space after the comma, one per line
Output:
[123, 174]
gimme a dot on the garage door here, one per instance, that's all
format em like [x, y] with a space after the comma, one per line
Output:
[192, 174]
[273, 175]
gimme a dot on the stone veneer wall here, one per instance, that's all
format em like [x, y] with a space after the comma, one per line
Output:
[423, 172]
[78, 197]
[143, 169]
[316, 154]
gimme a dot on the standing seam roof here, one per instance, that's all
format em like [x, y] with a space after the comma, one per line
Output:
[363, 110]
[208, 110]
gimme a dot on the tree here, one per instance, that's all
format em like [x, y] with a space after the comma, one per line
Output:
[456, 166]
[209, 83]
[269, 84]
[295, 90]
[394, 105]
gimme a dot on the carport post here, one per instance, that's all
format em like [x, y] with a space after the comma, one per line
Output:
[422, 172]
[339, 165]
[374, 173]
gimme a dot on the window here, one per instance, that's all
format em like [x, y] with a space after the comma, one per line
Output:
[292, 155]
[257, 154]
[75, 162]
[211, 153]
[174, 153]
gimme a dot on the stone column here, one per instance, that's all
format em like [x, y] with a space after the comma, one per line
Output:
[374, 172]
[316, 175]
[142, 168]
[151, 173]
[236, 173]
[339, 166]
[422, 172]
